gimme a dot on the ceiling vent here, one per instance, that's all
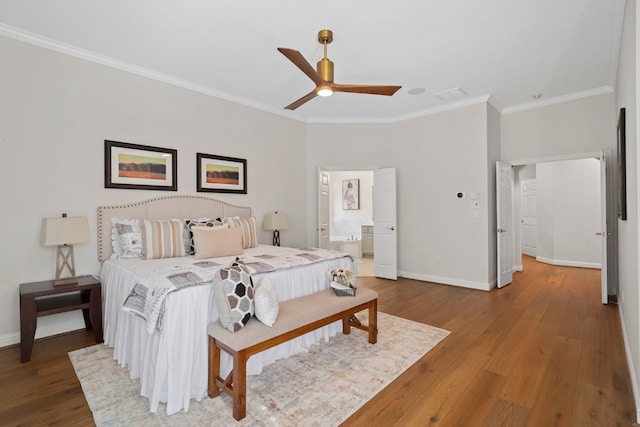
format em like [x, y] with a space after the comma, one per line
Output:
[454, 93]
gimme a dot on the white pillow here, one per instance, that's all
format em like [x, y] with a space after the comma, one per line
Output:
[265, 300]
[126, 238]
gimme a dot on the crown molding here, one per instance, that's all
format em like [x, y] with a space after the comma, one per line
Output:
[87, 55]
[47, 43]
[558, 99]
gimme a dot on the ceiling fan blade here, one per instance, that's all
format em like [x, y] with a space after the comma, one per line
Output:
[368, 89]
[299, 102]
[299, 61]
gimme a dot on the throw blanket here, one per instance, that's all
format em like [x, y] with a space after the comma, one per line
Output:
[148, 295]
[295, 257]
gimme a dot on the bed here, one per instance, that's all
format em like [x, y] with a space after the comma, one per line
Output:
[171, 362]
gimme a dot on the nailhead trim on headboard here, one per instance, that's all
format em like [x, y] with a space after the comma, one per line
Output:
[103, 209]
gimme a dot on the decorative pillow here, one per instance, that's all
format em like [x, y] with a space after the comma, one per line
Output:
[248, 227]
[212, 242]
[233, 296]
[265, 300]
[126, 238]
[200, 222]
[163, 239]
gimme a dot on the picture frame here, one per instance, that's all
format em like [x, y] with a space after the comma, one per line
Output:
[622, 166]
[221, 174]
[351, 194]
[140, 167]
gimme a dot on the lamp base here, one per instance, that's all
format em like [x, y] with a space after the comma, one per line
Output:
[276, 238]
[65, 259]
[69, 281]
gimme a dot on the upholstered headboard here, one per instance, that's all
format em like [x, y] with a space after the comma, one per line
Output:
[166, 207]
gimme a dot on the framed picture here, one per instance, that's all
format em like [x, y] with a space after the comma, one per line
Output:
[140, 167]
[219, 174]
[351, 194]
[622, 167]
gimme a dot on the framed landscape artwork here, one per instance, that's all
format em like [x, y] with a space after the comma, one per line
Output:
[140, 167]
[622, 167]
[220, 174]
[351, 194]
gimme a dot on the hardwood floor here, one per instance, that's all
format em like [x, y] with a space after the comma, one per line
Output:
[542, 351]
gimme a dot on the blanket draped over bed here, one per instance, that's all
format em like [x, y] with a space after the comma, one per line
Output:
[147, 297]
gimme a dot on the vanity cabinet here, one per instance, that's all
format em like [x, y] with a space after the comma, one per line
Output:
[367, 240]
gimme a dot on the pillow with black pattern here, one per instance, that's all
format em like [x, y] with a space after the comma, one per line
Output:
[189, 247]
[233, 296]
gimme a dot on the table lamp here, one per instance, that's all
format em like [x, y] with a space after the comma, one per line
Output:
[64, 232]
[276, 222]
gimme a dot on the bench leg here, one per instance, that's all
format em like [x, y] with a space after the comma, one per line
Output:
[373, 321]
[214, 367]
[239, 385]
[346, 325]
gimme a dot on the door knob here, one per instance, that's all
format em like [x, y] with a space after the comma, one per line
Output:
[392, 228]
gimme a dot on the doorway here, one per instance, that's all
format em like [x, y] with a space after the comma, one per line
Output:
[596, 217]
[346, 215]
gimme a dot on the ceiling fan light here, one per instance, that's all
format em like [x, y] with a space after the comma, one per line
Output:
[324, 91]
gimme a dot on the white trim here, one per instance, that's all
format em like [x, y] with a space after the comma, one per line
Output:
[44, 331]
[87, 55]
[414, 115]
[448, 281]
[518, 268]
[558, 99]
[632, 370]
[558, 158]
[67, 49]
[564, 263]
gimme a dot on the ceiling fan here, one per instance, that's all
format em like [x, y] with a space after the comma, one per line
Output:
[323, 77]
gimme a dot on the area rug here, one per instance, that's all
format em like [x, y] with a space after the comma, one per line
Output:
[322, 387]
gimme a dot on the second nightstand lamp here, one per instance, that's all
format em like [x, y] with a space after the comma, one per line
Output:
[276, 222]
[64, 232]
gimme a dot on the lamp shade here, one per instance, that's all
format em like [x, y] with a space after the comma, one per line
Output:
[275, 221]
[65, 230]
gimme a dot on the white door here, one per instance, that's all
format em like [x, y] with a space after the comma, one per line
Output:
[504, 180]
[323, 210]
[603, 233]
[384, 224]
[529, 209]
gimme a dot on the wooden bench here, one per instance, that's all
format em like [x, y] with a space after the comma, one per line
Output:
[296, 317]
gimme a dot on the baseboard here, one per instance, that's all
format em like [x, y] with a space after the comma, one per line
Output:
[563, 263]
[10, 339]
[448, 281]
[632, 370]
[518, 268]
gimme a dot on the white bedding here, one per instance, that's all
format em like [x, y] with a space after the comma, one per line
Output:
[172, 364]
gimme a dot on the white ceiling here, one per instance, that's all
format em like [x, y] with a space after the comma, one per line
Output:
[509, 49]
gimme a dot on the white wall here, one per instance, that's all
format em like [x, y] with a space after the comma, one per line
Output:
[628, 289]
[436, 157]
[569, 213]
[579, 126]
[347, 223]
[545, 199]
[55, 113]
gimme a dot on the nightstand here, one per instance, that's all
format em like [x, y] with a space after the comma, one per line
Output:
[42, 299]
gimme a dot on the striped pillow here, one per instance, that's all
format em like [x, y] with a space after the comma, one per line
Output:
[248, 227]
[163, 239]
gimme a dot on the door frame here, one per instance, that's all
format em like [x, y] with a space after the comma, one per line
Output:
[608, 206]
